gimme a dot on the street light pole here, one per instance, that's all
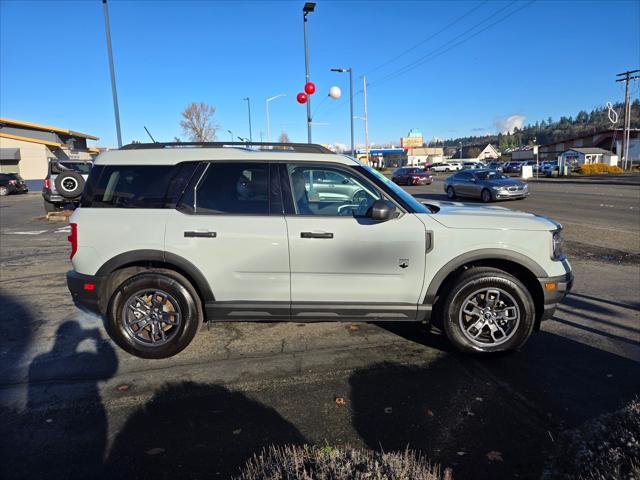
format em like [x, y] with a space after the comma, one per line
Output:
[230, 133]
[112, 71]
[353, 152]
[366, 120]
[249, 109]
[308, 8]
[267, 110]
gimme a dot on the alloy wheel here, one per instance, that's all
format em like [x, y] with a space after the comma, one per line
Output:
[489, 317]
[151, 317]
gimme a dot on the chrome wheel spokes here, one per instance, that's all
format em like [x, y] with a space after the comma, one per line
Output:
[489, 316]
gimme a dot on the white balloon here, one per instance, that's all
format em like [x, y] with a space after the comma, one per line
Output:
[335, 92]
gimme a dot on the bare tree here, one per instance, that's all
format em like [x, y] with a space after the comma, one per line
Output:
[284, 138]
[197, 122]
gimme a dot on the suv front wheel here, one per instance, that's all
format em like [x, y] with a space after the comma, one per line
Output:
[154, 314]
[488, 310]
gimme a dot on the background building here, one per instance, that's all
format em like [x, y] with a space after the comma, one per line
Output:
[26, 148]
[588, 155]
[414, 139]
[610, 140]
[476, 153]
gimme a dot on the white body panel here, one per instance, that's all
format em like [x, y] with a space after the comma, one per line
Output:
[360, 264]
[104, 233]
[248, 260]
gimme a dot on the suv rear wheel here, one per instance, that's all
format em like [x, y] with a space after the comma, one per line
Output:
[488, 310]
[154, 314]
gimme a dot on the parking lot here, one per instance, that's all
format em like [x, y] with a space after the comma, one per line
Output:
[75, 406]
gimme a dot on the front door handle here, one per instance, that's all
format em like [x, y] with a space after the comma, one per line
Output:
[316, 235]
[196, 234]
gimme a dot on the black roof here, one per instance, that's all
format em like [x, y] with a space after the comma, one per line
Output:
[291, 147]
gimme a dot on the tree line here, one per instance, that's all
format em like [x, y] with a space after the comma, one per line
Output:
[550, 131]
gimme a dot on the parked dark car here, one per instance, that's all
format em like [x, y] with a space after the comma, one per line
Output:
[64, 183]
[411, 176]
[11, 183]
[496, 166]
[512, 167]
[487, 185]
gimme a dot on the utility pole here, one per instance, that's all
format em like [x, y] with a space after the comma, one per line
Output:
[307, 9]
[627, 76]
[366, 120]
[114, 93]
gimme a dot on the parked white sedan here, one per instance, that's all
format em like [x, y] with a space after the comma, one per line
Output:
[446, 167]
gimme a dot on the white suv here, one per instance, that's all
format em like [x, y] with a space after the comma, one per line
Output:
[446, 167]
[172, 235]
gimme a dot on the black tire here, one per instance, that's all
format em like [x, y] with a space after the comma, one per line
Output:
[475, 279]
[447, 170]
[180, 291]
[486, 196]
[51, 207]
[69, 184]
[451, 193]
[4, 191]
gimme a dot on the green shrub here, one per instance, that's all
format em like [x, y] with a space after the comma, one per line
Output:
[599, 168]
[330, 463]
[607, 447]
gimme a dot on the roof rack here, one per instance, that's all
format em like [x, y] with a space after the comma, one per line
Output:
[287, 147]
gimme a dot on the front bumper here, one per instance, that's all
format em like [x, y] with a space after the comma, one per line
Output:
[506, 194]
[85, 291]
[555, 289]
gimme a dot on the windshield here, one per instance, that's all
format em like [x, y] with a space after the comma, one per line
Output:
[407, 198]
[491, 176]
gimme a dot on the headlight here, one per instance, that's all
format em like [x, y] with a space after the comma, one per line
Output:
[499, 188]
[557, 245]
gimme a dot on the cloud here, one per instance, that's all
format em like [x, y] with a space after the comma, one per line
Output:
[507, 124]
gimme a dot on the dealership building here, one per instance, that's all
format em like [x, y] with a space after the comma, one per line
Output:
[26, 148]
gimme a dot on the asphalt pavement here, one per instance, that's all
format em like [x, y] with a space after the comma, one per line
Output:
[75, 406]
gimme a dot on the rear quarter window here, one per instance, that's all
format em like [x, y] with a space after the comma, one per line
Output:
[136, 186]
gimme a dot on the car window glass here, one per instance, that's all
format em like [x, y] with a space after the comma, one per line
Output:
[234, 188]
[312, 197]
[128, 186]
[83, 168]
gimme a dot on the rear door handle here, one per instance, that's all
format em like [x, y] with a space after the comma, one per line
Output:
[196, 234]
[315, 235]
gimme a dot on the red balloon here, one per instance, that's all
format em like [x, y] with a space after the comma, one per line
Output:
[302, 97]
[310, 88]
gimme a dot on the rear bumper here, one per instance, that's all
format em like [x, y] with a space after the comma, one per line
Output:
[555, 289]
[84, 295]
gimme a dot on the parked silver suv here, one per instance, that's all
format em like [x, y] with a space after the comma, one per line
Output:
[171, 235]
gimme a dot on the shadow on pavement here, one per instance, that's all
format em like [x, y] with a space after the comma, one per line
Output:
[192, 430]
[459, 409]
[54, 434]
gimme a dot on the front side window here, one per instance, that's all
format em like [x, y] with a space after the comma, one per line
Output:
[238, 188]
[349, 195]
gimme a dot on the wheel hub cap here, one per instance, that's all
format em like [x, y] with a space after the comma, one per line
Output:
[151, 317]
[489, 316]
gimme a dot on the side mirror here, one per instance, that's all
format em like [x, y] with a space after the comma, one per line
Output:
[381, 211]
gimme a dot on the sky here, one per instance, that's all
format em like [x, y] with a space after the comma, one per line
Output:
[449, 69]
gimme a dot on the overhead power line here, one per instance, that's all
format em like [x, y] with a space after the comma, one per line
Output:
[452, 43]
[430, 37]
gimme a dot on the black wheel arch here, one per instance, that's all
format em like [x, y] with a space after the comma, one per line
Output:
[119, 268]
[520, 266]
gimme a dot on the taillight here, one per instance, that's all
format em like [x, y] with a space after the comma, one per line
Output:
[47, 183]
[12, 182]
[73, 238]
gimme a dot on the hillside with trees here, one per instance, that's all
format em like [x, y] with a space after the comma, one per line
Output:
[549, 131]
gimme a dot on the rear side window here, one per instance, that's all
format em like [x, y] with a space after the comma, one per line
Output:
[234, 188]
[135, 186]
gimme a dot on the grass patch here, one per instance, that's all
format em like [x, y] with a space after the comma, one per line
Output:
[607, 447]
[333, 463]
